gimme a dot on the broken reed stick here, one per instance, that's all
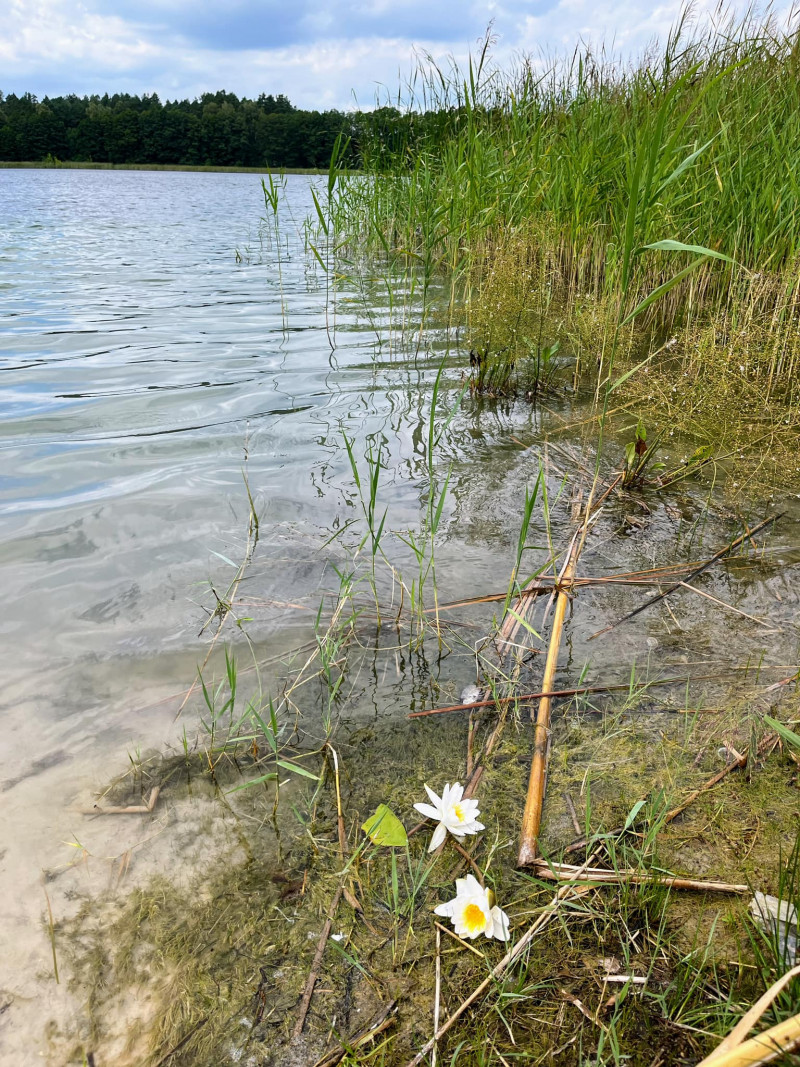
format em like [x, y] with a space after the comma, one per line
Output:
[510, 957]
[532, 815]
[566, 872]
[133, 809]
[690, 577]
[740, 761]
[578, 691]
[437, 992]
[748, 1021]
[764, 1048]
[311, 981]
[380, 1022]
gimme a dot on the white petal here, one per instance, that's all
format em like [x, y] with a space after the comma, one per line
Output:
[432, 796]
[472, 885]
[445, 909]
[456, 793]
[499, 924]
[446, 795]
[428, 811]
[439, 834]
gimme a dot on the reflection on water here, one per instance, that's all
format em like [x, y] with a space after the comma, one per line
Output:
[140, 360]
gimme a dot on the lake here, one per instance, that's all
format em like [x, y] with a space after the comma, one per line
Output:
[157, 340]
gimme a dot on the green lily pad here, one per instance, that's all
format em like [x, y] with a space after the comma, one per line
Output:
[384, 828]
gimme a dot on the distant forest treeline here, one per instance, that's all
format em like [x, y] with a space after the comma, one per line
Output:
[218, 129]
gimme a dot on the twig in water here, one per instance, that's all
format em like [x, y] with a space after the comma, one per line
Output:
[690, 577]
[133, 809]
[722, 604]
[380, 1022]
[578, 691]
[308, 992]
[739, 761]
[572, 812]
[470, 742]
[437, 993]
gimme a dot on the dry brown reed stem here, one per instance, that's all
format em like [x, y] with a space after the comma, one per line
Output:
[566, 872]
[133, 809]
[437, 992]
[764, 1048]
[655, 576]
[532, 815]
[739, 761]
[578, 691]
[690, 577]
[380, 1022]
[342, 889]
[510, 958]
[311, 981]
[748, 1021]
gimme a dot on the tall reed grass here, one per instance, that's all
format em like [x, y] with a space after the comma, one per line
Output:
[560, 196]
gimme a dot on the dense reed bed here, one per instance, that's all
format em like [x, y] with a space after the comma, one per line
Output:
[560, 197]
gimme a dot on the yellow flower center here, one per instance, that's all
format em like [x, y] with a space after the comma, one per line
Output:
[459, 812]
[474, 918]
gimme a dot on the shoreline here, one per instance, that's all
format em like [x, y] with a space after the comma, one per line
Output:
[73, 165]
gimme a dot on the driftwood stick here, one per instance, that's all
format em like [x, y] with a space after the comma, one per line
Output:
[532, 815]
[566, 872]
[572, 812]
[740, 761]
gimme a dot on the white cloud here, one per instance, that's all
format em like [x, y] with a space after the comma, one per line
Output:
[61, 46]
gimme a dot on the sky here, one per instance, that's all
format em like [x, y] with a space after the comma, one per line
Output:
[319, 53]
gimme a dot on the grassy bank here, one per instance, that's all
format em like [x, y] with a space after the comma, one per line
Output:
[72, 165]
[561, 198]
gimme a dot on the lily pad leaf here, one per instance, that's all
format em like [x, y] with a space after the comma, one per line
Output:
[384, 828]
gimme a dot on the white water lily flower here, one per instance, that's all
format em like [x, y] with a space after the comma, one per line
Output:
[452, 813]
[473, 911]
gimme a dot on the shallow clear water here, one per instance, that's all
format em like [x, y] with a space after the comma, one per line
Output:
[140, 357]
